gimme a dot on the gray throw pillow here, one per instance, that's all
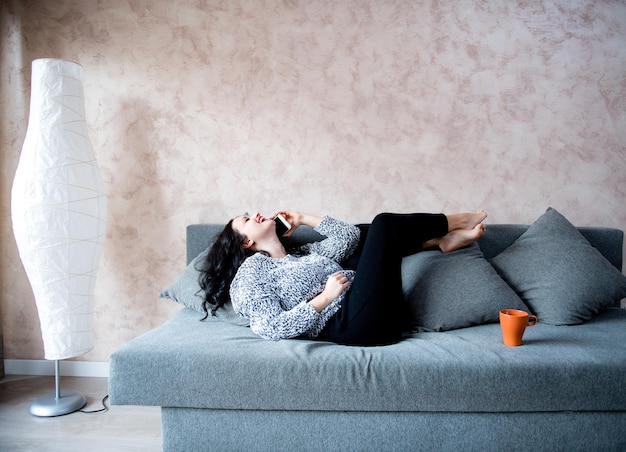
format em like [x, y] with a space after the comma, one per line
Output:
[186, 290]
[446, 291]
[556, 271]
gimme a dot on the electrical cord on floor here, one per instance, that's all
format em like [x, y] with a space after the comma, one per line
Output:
[101, 410]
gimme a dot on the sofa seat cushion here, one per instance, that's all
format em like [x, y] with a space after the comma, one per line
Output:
[213, 364]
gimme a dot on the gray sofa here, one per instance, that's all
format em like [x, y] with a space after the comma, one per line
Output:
[223, 388]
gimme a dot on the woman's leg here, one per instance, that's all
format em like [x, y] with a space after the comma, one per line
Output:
[370, 314]
[461, 232]
[374, 312]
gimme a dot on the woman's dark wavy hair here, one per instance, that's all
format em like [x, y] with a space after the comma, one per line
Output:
[218, 270]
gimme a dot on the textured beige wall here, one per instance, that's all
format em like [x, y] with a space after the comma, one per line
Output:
[199, 110]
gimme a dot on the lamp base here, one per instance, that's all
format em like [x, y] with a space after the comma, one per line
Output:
[49, 405]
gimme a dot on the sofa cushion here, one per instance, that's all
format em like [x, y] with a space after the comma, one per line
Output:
[560, 276]
[213, 364]
[185, 289]
[455, 290]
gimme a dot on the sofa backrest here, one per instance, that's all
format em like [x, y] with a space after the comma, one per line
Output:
[608, 241]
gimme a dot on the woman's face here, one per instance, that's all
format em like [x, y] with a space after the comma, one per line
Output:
[254, 228]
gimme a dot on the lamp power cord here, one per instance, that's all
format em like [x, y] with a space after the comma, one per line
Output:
[101, 410]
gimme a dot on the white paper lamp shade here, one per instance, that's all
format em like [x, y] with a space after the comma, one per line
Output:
[58, 208]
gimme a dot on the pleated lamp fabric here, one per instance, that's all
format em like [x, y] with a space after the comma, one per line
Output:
[58, 209]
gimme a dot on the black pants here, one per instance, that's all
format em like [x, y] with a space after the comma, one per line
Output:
[374, 312]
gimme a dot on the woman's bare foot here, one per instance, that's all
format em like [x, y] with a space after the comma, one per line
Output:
[460, 238]
[467, 221]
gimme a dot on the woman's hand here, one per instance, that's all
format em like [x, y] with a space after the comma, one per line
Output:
[297, 219]
[335, 285]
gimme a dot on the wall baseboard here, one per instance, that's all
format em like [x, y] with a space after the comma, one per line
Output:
[66, 368]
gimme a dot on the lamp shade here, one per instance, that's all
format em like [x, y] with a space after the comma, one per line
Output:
[58, 209]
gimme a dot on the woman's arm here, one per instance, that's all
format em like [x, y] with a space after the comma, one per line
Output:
[336, 284]
[341, 238]
[270, 321]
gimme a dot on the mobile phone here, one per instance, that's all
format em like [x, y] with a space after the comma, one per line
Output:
[282, 225]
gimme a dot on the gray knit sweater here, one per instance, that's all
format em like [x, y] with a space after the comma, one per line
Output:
[274, 293]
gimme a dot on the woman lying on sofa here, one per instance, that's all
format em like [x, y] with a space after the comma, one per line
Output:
[305, 292]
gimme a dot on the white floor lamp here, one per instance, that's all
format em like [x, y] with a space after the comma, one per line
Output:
[58, 208]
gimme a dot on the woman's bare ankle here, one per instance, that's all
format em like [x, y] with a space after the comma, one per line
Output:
[466, 221]
[460, 238]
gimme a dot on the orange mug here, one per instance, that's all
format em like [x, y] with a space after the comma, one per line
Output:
[513, 323]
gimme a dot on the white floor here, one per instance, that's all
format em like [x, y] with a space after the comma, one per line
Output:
[121, 428]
